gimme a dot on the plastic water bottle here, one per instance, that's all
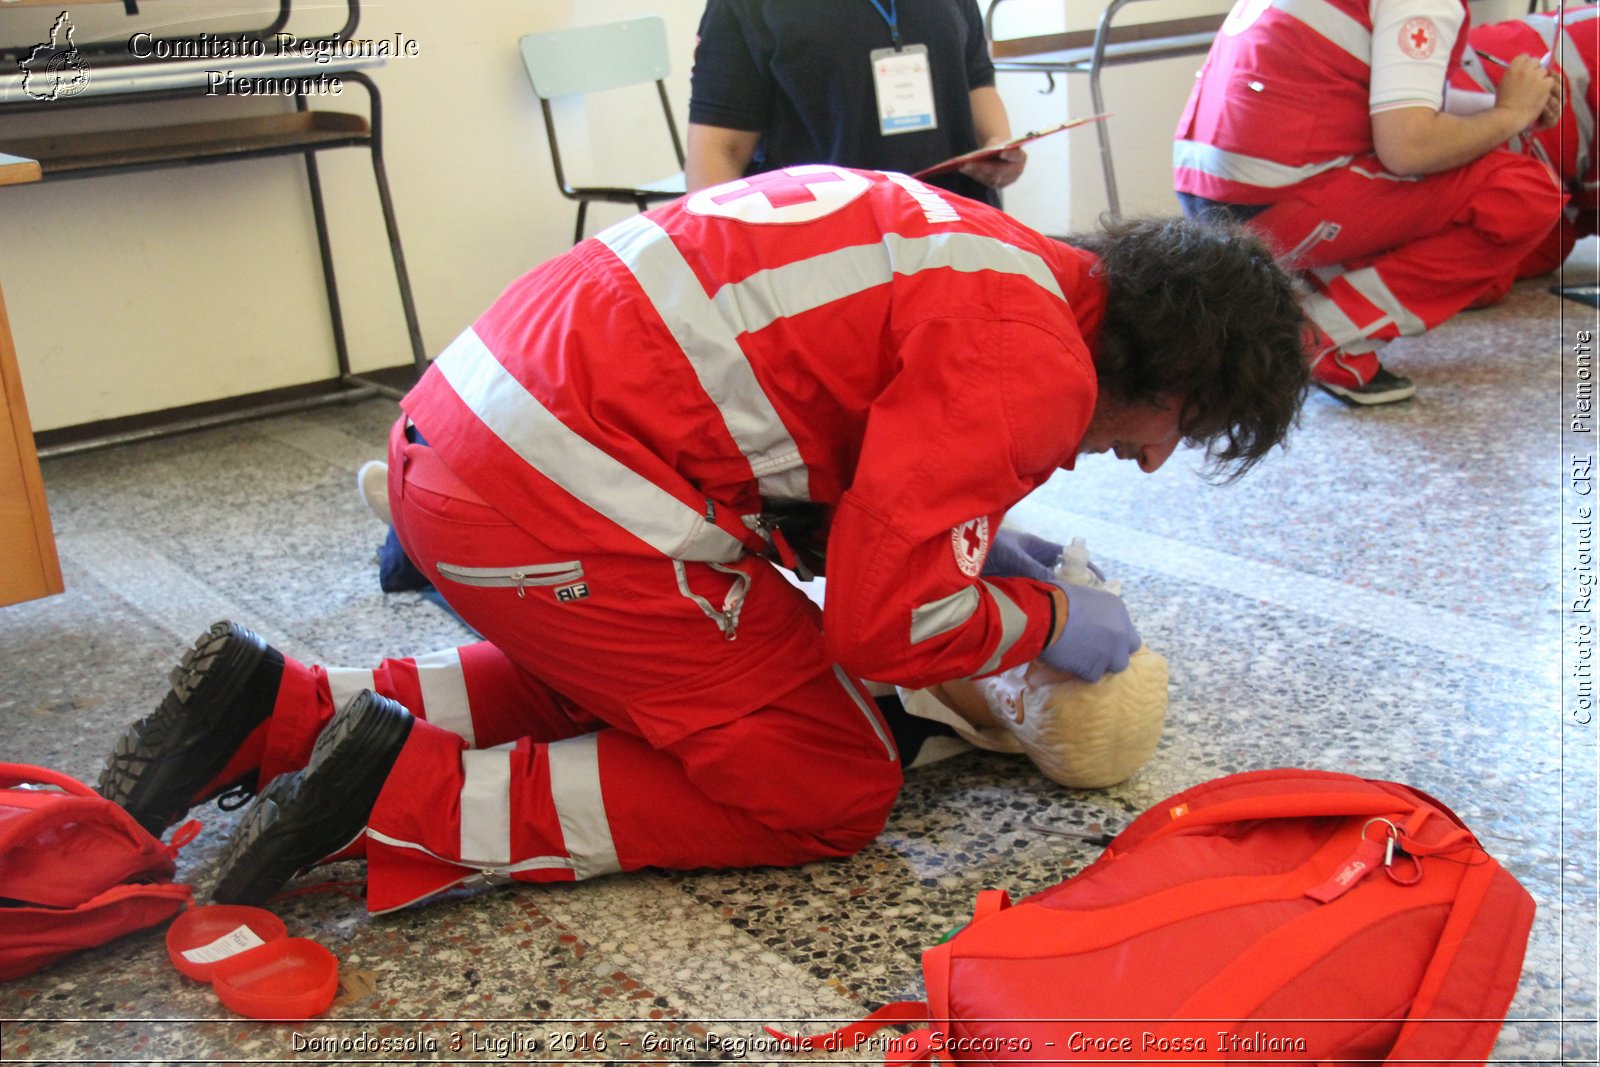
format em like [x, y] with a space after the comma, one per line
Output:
[1074, 568]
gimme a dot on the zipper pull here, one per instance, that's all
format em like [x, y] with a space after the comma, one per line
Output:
[521, 580]
[1369, 855]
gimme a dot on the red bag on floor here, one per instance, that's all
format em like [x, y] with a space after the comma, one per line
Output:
[75, 870]
[1280, 916]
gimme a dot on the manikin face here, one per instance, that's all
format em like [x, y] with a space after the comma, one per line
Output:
[1147, 435]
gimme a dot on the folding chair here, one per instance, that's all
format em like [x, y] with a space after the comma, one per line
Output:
[593, 59]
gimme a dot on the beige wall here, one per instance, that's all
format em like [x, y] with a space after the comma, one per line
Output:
[138, 292]
[1064, 189]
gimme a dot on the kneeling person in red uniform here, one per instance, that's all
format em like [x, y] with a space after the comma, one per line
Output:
[1327, 127]
[604, 473]
[1570, 39]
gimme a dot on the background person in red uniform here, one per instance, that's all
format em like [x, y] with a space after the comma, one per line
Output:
[1567, 147]
[1325, 125]
[814, 363]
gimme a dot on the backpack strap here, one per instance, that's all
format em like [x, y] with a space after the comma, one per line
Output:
[990, 901]
[1031, 932]
[15, 774]
[1279, 806]
[1489, 905]
[1265, 968]
[186, 832]
[900, 1011]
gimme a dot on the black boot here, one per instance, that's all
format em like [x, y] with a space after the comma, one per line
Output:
[223, 689]
[304, 817]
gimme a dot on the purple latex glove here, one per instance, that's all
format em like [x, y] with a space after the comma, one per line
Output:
[1099, 635]
[1021, 555]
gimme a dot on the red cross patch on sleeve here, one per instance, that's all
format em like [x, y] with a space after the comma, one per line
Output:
[1418, 37]
[970, 541]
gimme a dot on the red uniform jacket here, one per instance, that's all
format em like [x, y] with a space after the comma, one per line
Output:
[1568, 147]
[1285, 95]
[913, 362]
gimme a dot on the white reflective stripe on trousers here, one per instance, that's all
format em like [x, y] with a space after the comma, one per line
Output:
[487, 815]
[1371, 285]
[345, 682]
[485, 876]
[486, 807]
[1343, 330]
[867, 712]
[444, 692]
[580, 807]
[1332, 320]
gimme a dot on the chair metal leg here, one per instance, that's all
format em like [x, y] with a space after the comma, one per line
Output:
[1097, 103]
[324, 248]
[583, 209]
[1103, 134]
[419, 355]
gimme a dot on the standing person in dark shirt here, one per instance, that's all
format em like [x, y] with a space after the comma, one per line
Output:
[882, 84]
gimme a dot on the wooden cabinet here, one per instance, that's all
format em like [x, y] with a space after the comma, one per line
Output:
[29, 567]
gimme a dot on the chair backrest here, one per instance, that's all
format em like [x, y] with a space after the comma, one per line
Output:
[595, 59]
[592, 59]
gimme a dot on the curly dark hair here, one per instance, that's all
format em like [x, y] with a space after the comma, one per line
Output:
[1202, 311]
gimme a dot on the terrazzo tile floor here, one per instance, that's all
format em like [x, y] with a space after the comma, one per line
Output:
[1388, 597]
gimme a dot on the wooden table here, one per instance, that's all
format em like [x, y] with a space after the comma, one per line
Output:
[29, 567]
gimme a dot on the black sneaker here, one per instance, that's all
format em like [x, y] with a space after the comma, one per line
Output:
[1384, 388]
[304, 817]
[223, 689]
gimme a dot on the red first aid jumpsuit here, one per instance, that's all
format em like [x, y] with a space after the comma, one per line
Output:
[1282, 115]
[1568, 147]
[651, 690]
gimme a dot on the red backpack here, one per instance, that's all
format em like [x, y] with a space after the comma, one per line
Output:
[1279, 916]
[75, 870]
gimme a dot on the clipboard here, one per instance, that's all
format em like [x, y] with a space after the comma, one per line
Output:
[990, 151]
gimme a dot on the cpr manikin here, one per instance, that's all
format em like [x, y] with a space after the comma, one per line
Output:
[1084, 735]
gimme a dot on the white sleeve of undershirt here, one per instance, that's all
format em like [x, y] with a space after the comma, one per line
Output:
[1411, 45]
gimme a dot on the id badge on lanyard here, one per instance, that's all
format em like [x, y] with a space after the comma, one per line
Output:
[905, 89]
[902, 80]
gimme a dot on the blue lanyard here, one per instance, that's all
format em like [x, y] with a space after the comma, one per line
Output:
[892, 17]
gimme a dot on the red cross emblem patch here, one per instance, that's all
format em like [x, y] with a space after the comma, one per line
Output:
[794, 194]
[970, 541]
[1418, 38]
